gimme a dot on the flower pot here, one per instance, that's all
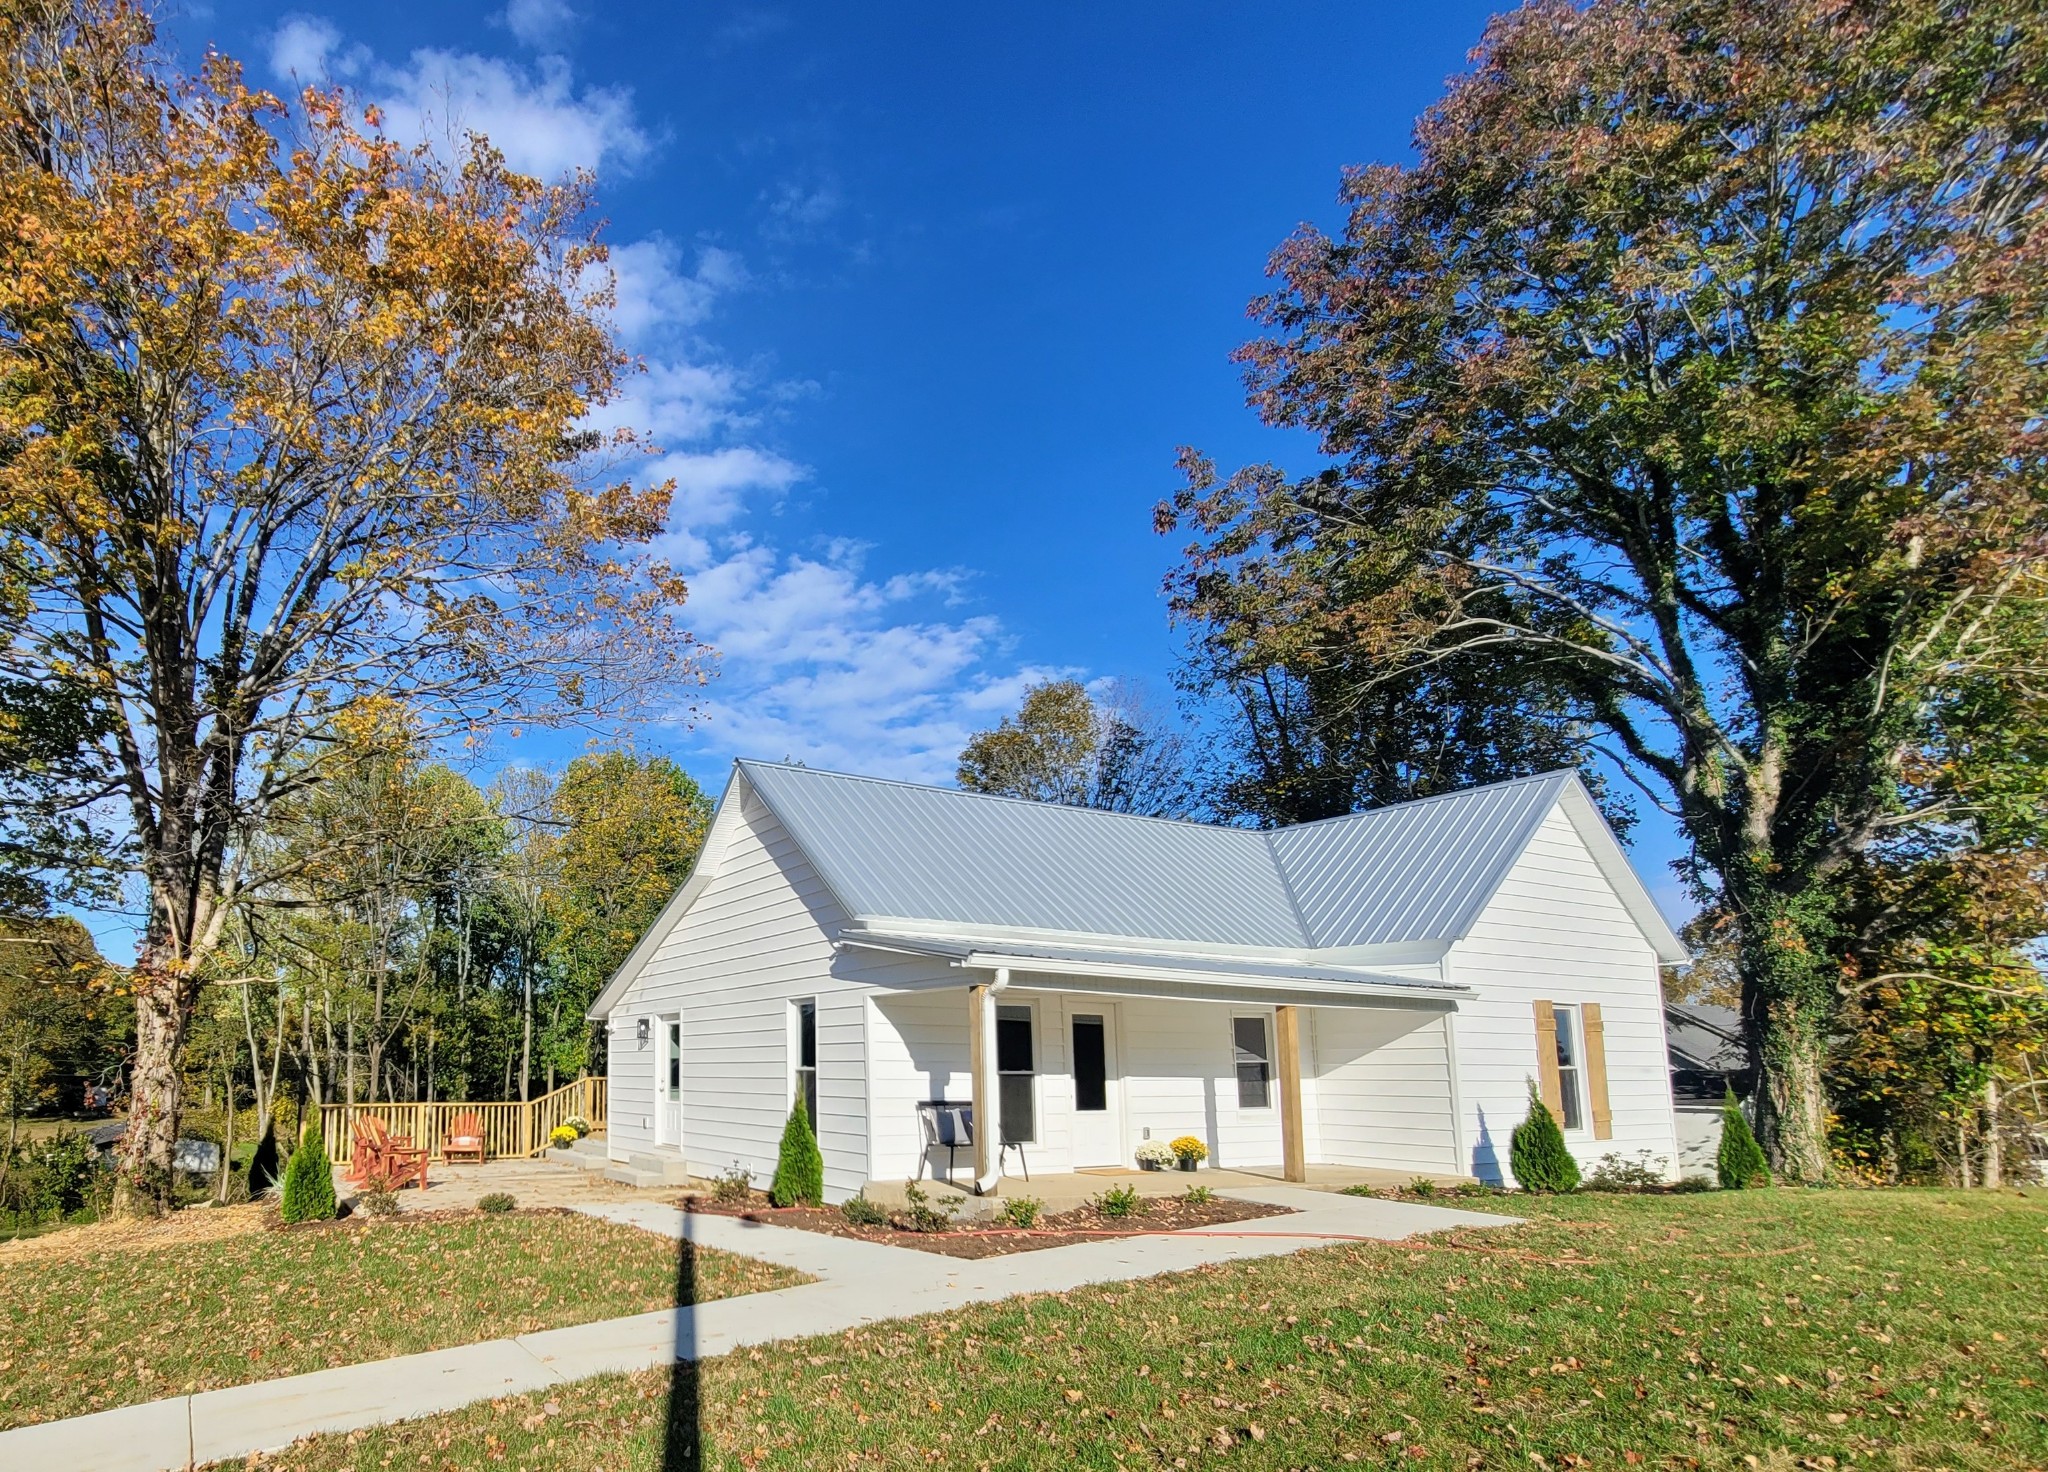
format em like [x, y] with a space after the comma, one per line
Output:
[1148, 1165]
[1188, 1162]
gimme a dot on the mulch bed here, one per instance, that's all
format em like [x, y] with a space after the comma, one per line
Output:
[993, 1239]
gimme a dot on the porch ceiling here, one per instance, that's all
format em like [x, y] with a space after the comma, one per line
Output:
[1158, 973]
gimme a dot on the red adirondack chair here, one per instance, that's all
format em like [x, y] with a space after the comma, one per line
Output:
[464, 1139]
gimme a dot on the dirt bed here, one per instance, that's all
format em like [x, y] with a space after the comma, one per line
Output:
[994, 1239]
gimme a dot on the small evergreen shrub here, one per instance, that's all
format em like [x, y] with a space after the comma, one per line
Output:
[497, 1203]
[861, 1212]
[1119, 1202]
[1691, 1185]
[1740, 1163]
[309, 1181]
[922, 1214]
[799, 1169]
[1022, 1211]
[1537, 1153]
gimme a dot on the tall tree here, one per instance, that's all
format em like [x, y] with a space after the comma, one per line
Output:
[1064, 746]
[292, 422]
[631, 827]
[1698, 363]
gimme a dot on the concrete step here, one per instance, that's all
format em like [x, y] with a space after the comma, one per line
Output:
[625, 1175]
[645, 1169]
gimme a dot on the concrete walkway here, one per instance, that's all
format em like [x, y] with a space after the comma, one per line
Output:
[857, 1283]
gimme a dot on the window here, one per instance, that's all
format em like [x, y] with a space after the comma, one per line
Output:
[675, 1060]
[1091, 1065]
[1015, 1095]
[1254, 1062]
[1570, 1068]
[807, 1058]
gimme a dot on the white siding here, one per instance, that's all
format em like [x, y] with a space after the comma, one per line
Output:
[1180, 1079]
[1382, 1089]
[1556, 931]
[755, 941]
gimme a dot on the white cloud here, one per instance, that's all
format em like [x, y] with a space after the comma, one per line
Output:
[537, 116]
[656, 292]
[825, 664]
[540, 23]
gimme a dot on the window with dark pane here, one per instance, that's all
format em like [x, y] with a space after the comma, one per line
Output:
[807, 1057]
[1091, 1065]
[1016, 1066]
[1568, 1070]
[1254, 1062]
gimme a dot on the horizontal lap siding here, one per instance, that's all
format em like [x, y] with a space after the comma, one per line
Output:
[1180, 1079]
[917, 1050]
[1383, 1089]
[1556, 931]
[754, 941]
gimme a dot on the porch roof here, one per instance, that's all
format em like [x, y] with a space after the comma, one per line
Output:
[1104, 963]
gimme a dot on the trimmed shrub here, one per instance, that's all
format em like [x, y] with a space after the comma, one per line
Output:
[1740, 1163]
[1537, 1154]
[922, 1214]
[309, 1181]
[497, 1203]
[379, 1200]
[1119, 1202]
[799, 1169]
[861, 1212]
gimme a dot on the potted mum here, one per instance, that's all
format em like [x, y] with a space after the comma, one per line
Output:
[1155, 1155]
[562, 1137]
[1189, 1151]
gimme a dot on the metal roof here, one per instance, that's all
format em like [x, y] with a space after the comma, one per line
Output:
[1416, 871]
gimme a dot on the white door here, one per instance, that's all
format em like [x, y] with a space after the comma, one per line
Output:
[1098, 1090]
[668, 1109]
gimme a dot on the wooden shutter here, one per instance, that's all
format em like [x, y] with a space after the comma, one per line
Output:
[1596, 1071]
[1547, 1085]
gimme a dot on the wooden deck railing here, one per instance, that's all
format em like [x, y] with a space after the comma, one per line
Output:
[512, 1128]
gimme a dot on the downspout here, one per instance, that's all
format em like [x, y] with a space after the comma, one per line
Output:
[988, 1132]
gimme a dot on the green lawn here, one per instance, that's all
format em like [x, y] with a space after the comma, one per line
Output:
[84, 1330]
[1773, 1330]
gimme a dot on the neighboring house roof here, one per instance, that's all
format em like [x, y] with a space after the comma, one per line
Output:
[903, 858]
[1704, 1037]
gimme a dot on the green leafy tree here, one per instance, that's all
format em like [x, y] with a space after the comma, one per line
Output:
[799, 1166]
[1739, 1163]
[1537, 1153]
[1693, 372]
[308, 1194]
[630, 828]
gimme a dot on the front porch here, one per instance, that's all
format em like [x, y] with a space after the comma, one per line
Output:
[1308, 1080]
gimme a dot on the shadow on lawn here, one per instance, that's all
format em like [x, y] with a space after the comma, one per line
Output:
[682, 1444]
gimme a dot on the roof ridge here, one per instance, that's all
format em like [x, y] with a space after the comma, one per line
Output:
[1416, 802]
[1029, 802]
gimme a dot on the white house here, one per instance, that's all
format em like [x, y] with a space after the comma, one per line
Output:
[1375, 990]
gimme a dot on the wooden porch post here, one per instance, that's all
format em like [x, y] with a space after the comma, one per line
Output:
[1287, 1042]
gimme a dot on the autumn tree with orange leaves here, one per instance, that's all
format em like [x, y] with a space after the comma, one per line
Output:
[291, 435]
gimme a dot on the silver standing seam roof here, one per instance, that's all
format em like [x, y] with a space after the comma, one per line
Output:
[898, 856]
[1417, 871]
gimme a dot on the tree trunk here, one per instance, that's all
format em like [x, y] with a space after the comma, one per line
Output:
[349, 1047]
[526, 1033]
[227, 1142]
[1994, 1153]
[164, 996]
[1963, 1153]
[1792, 1110]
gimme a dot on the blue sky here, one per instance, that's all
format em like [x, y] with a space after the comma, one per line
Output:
[929, 296]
